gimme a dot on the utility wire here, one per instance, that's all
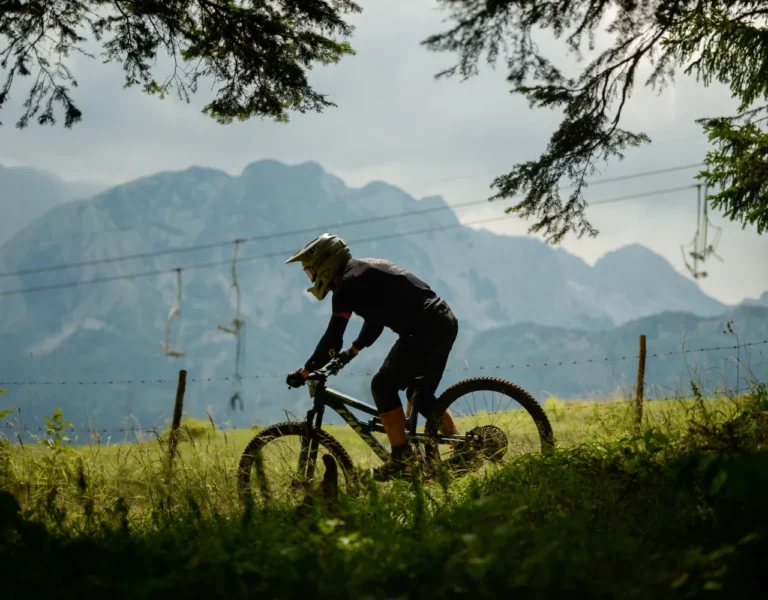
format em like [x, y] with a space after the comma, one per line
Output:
[644, 194]
[362, 221]
[208, 265]
[120, 230]
[369, 239]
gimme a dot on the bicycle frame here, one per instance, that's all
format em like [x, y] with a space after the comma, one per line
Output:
[340, 403]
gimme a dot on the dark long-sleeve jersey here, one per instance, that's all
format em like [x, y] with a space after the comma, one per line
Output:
[384, 295]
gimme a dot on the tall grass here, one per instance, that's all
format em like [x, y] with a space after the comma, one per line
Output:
[678, 511]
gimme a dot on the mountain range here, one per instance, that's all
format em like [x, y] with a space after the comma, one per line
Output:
[761, 301]
[27, 193]
[518, 300]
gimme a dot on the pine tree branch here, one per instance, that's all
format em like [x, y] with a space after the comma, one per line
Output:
[256, 52]
[718, 41]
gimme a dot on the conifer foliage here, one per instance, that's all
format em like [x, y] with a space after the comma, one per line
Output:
[256, 52]
[725, 42]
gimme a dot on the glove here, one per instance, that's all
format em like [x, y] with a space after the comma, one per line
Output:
[345, 356]
[295, 379]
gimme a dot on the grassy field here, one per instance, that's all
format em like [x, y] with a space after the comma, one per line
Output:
[677, 511]
[129, 465]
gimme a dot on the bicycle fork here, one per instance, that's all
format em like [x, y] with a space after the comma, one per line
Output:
[310, 445]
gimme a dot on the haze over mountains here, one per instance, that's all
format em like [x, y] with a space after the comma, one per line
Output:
[27, 193]
[518, 300]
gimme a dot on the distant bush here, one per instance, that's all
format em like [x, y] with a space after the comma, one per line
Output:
[192, 429]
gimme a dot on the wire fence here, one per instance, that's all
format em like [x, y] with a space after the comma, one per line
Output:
[138, 431]
[92, 430]
[554, 363]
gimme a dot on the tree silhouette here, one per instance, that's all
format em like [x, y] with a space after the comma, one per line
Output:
[723, 41]
[255, 52]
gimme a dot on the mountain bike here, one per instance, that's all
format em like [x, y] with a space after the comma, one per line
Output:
[484, 439]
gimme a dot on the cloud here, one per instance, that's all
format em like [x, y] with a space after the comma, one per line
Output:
[395, 122]
[50, 343]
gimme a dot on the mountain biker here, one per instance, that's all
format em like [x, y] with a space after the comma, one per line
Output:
[384, 295]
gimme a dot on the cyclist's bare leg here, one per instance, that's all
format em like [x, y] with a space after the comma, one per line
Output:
[394, 426]
[447, 425]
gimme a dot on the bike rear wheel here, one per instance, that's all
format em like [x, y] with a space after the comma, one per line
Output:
[499, 419]
[276, 466]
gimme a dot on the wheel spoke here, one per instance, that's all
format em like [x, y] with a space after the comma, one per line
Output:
[291, 465]
[509, 427]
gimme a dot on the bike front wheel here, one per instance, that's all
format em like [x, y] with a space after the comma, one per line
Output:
[277, 465]
[498, 420]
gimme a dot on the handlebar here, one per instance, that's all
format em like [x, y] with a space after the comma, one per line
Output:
[332, 368]
[321, 375]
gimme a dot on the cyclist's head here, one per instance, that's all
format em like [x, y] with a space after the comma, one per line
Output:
[323, 259]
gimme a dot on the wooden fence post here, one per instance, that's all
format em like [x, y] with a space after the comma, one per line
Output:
[182, 385]
[640, 385]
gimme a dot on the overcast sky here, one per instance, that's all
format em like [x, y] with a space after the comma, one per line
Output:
[396, 123]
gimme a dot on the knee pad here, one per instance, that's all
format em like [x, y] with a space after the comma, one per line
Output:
[385, 392]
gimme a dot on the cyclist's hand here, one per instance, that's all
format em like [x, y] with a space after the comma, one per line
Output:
[347, 355]
[295, 379]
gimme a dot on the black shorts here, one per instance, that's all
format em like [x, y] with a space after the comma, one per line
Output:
[417, 362]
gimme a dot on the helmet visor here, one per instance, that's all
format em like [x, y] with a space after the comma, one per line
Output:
[311, 273]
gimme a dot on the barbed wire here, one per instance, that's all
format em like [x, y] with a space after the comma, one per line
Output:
[370, 374]
[607, 358]
[23, 428]
[140, 381]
